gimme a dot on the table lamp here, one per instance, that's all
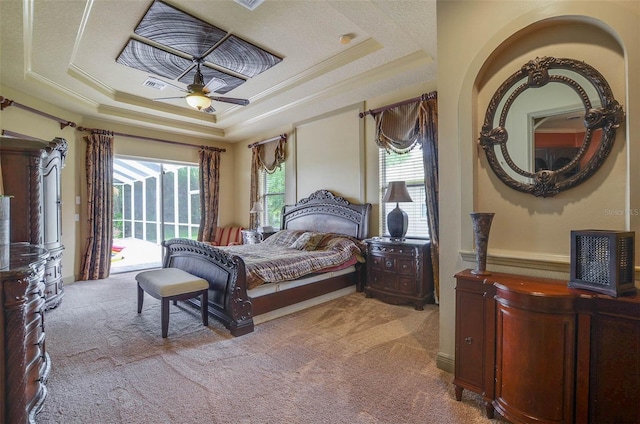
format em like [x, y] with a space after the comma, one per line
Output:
[397, 219]
[257, 209]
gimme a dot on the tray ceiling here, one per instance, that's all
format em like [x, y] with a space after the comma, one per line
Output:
[95, 58]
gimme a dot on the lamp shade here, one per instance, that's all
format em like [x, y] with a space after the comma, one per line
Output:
[198, 101]
[257, 207]
[397, 192]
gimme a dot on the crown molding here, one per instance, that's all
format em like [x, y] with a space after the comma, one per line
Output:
[157, 122]
[406, 63]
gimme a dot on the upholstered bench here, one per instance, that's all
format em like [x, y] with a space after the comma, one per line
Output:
[172, 284]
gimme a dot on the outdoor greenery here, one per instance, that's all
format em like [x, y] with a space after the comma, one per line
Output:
[274, 189]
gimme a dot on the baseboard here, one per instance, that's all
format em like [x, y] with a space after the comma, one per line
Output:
[445, 362]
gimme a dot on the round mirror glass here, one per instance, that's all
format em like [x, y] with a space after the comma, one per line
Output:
[550, 126]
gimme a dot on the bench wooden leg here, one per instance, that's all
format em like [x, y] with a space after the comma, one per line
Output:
[204, 306]
[140, 298]
[165, 317]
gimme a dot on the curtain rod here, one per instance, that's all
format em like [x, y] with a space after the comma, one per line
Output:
[18, 135]
[4, 103]
[427, 96]
[215, 149]
[257, 143]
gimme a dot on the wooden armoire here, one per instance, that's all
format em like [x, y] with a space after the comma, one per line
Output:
[31, 171]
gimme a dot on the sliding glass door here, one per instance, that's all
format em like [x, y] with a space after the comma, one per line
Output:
[153, 201]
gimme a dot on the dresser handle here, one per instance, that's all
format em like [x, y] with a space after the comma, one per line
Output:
[468, 340]
[388, 264]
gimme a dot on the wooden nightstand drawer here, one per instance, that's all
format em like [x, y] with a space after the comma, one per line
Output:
[380, 280]
[399, 271]
[377, 262]
[406, 267]
[406, 285]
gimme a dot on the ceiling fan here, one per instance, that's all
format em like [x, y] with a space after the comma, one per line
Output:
[197, 94]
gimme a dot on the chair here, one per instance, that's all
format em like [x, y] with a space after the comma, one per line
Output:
[228, 236]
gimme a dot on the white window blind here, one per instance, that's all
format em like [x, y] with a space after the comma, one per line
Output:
[406, 167]
[272, 191]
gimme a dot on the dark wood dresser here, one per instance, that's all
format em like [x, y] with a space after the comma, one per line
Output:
[24, 362]
[399, 271]
[31, 173]
[539, 351]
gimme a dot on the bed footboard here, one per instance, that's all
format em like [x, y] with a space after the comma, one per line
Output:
[228, 299]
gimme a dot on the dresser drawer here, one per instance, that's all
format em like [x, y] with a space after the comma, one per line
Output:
[35, 348]
[34, 388]
[406, 285]
[393, 263]
[406, 266]
[377, 263]
[382, 281]
[53, 272]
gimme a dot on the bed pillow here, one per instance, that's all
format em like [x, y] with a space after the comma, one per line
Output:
[283, 238]
[307, 241]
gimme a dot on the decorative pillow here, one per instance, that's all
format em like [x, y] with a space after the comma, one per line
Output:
[283, 238]
[307, 241]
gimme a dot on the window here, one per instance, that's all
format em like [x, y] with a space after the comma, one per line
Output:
[406, 167]
[272, 196]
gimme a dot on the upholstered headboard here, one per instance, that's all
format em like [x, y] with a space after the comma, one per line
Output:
[325, 212]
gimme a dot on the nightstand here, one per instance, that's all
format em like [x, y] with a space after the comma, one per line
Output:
[399, 271]
[254, 236]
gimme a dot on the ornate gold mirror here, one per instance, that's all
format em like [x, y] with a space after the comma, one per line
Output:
[550, 126]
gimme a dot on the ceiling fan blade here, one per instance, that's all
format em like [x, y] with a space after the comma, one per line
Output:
[241, 102]
[169, 98]
[210, 109]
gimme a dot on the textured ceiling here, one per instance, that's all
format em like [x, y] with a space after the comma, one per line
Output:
[91, 57]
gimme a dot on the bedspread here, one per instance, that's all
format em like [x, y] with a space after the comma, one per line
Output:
[291, 254]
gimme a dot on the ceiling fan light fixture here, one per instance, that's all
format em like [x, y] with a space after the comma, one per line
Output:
[198, 101]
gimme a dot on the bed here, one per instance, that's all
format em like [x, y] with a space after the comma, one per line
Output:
[238, 301]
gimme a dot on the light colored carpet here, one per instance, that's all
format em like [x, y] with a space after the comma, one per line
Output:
[350, 360]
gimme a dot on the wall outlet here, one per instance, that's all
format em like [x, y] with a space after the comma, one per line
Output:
[77, 200]
[77, 217]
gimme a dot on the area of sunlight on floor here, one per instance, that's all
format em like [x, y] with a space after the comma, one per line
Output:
[131, 254]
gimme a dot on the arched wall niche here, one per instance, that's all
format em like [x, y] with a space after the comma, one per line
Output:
[543, 225]
[471, 35]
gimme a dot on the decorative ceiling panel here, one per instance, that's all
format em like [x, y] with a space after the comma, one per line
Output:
[169, 42]
[242, 57]
[171, 27]
[215, 80]
[147, 58]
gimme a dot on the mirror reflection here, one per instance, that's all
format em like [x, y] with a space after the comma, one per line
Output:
[550, 126]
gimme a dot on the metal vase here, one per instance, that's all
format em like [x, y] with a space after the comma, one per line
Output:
[481, 226]
[4, 231]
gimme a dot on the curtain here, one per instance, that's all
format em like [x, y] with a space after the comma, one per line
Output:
[399, 129]
[267, 156]
[429, 125]
[96, 263]
[209, 162]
